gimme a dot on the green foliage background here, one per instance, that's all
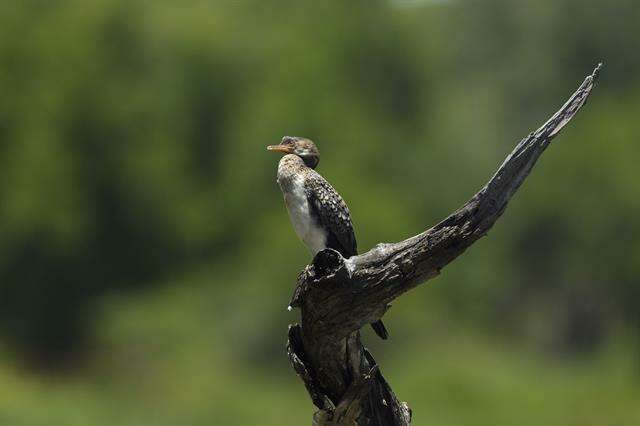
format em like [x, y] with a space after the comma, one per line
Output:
[146, 258]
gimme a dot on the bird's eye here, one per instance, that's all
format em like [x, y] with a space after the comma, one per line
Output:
[287, 140]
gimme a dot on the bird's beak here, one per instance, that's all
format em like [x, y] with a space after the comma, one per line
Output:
[280, 148]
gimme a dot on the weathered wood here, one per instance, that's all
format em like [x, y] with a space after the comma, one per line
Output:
[338, 296]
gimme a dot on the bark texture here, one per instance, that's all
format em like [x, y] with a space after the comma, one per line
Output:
[338, 296]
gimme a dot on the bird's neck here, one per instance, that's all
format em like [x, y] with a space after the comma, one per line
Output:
[291, 170]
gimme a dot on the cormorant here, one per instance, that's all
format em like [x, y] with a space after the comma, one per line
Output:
[318, 213]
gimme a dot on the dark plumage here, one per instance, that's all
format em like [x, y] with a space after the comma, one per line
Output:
[330, 210]
[318, 213]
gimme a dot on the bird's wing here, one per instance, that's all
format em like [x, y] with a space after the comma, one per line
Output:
[333, 214]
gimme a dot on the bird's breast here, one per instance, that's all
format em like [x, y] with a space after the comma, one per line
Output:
[301, 215]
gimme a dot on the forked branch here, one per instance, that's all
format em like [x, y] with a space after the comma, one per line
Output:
[337, 296]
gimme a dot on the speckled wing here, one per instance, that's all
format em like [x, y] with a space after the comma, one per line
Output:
[332, 213]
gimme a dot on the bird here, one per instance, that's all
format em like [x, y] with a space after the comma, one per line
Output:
[319, 215]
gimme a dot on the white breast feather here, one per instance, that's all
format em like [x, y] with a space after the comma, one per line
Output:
[299, 212]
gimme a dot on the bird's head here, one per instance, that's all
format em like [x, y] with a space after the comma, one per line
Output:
[302, 147]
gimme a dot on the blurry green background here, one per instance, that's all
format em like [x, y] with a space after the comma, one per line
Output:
[146, 258]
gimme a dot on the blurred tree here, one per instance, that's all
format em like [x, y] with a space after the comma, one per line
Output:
[131, 138]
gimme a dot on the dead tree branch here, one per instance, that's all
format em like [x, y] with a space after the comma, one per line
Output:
[338, 296]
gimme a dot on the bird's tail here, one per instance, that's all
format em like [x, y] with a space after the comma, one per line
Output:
[380, 329]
